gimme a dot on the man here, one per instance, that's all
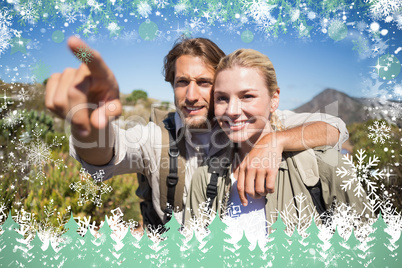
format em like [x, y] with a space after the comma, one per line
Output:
[88, 97]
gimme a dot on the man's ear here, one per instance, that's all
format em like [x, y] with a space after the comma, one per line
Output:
[275, 101]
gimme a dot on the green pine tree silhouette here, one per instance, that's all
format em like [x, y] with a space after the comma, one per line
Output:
[145, 254]
[53, 258]
[243, 253]
[36, 253]
[380, 248]
[259, 259]
[12, 248]
[193, 254]
[72, 244]
[278, 246]
[88, 256]
[128, 253]
[337, 252]
[352, 256]
[295, 250]
[397, 254]
[314, 249]
[219, 250]
[106, 246]
[173, 243]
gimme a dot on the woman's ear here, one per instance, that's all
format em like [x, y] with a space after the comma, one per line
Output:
[275, 101]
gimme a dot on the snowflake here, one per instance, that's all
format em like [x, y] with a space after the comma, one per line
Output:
[311, 15]
[398, 90]
[23, 95]
[195, 24]
[297, 213]
[13, 119]
[84, 54]
[38, 153]
[89, 189]
[379, 132]
[294, 15]
[361, 173]
[2, 212]
[378, 48]
[161, 3]
[371, 89]
[129, 35]
[113, 28]
[29, 12]
[398, 20]
[259, 10]
[144, 9]
[71, 17]
[384, 8]
[180, 7]
[5, 31]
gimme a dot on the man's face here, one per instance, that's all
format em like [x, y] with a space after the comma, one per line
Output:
[192, 90]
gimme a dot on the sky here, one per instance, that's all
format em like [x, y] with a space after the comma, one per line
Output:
[305, 64]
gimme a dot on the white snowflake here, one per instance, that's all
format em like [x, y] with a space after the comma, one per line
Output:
[113, 28]
[195, 24]
[259, 10]
[361, 173]
[298, 212]
[397, 91]
[13, 118]
[380, 9]
[398, 20]
[294, 15]
[29, 12]
[311, 15]
[90, 189]
[5, 31]
[129, 35]
[372, 88]
[144, 9]
[161, 3]
[23, 95]
[379, 132]
[71, 17]
[38, 153]
[180, 7]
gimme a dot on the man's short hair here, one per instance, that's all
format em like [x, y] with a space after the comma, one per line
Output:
[204, 48]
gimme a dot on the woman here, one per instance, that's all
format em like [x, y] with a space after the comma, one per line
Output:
[246, 96]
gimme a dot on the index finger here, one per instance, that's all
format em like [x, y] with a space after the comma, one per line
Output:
[90, 57]
[240, 185]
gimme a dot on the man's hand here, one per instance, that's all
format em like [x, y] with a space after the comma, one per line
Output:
[88, 97]
[257, 173]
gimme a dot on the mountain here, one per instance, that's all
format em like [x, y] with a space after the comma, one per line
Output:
[351, 109]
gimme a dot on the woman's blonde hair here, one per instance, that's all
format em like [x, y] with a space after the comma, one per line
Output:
[250, 58]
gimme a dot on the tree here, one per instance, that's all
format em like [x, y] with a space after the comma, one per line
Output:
[193, 254]
[380, 247]
[136, 95]
[106, 247]
[174, 242]
[129, 251]
[313, 249]
[12, 250]
[73, 243]
[243, 253]
[295, 250]
[279, 246]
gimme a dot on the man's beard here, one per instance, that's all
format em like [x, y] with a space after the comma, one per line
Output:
[202, 121]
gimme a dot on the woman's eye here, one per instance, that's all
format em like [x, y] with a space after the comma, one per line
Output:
[221, 98]
[248, 96]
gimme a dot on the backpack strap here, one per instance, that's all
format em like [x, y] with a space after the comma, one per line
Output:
[218, 166]
[172, 168]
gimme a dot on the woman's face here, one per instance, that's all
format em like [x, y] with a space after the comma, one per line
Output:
[243, 104]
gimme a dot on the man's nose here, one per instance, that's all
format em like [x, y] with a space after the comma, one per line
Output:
[192, 93]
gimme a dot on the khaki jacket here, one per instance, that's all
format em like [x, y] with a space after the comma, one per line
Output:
[297, 171]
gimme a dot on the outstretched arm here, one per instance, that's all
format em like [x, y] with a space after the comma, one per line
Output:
[257, 173]
[88, 98]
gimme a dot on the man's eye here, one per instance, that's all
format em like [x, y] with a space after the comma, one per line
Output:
[204, 83]
[181, 82]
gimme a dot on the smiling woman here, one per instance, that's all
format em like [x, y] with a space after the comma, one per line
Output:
[246, 95]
